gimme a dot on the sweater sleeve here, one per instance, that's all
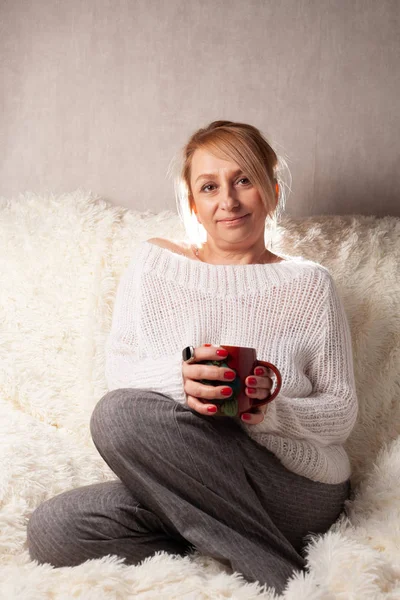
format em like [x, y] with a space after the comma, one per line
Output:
[329, 413]
[123, 367]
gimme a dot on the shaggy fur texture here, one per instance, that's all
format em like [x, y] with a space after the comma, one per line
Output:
[61, 259]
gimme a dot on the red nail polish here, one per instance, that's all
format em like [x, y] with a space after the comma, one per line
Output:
[207, 345]
[246, 417]
[223, 353]
[259, 371]
[252, 390]
[226, 391]
[212, 409]
[229, 375]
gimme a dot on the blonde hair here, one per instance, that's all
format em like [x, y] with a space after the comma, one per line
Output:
[243, 144]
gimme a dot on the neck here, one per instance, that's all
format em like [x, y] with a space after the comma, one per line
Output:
[203, 253]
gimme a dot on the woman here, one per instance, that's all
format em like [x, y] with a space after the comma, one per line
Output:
[246, 492]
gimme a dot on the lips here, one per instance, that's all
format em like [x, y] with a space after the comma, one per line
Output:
[233, 219]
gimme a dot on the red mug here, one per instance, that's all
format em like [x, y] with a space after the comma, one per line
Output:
[243, 361]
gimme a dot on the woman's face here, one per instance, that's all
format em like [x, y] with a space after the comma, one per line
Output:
[222, 191]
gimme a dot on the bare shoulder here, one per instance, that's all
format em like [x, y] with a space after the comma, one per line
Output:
[169, 245]
[163, 243]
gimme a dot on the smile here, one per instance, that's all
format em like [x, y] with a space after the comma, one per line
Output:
[234, 221]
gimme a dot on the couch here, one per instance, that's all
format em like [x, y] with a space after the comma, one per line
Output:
[61, 260]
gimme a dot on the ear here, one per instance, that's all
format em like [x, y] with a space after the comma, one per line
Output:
[277, 190]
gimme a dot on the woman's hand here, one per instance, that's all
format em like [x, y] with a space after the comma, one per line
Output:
[262, 389]
[200, 397]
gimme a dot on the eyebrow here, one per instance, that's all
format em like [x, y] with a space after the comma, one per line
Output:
[206, 175]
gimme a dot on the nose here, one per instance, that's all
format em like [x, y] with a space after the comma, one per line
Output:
[228, 197]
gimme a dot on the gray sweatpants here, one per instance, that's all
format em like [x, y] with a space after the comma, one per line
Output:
[185, 481]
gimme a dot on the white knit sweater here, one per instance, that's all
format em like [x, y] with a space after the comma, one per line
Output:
[289, 311]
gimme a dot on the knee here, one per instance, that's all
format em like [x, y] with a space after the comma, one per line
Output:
[50, 535]
[100, 418]
[121, 420]
[37, 530]
[109, 417]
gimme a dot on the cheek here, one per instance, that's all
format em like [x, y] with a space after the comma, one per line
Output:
[206, 210]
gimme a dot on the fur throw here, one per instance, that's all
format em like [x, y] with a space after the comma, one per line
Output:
[61, 260]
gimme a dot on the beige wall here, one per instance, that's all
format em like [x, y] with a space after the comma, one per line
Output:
[100, 94]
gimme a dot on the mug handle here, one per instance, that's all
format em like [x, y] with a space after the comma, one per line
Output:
[278, 385]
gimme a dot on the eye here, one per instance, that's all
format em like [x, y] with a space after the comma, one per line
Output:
[206, 186]
[203, 189]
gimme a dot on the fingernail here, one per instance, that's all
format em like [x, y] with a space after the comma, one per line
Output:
[259, 371]
[246, 417]
[207, 344]
[230, 375]
[226, 391]
[212, 409]
[222, 352]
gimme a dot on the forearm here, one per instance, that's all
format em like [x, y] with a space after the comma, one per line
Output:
[163, 375]
[328, 414]
[321, 418]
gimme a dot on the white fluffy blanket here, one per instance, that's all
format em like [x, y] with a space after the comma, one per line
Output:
[61, 259]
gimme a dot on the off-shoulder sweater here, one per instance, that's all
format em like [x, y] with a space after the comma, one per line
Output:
[289, 311]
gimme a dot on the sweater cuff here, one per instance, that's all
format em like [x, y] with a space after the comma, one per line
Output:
[162, 375]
